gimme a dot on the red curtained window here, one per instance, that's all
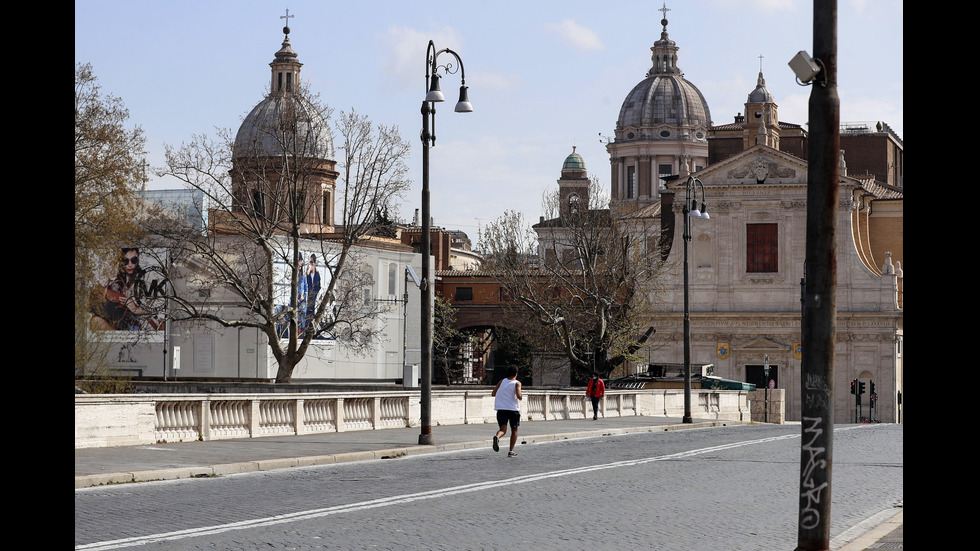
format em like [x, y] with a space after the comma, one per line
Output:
[762, 247]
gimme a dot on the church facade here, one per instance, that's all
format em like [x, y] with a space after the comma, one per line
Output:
[746, 265]
[746, 261]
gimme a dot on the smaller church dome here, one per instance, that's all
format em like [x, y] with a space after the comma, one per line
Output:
[574, 161]
[760, 94]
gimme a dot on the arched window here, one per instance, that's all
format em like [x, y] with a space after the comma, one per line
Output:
[702, 251]
[367, 279]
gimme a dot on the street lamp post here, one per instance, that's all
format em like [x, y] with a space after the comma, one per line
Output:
[690, 210]
[432, 95]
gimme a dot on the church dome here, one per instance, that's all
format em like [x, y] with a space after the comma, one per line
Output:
[664, 105]
[268, 128]
[574, 161]
[285, 119]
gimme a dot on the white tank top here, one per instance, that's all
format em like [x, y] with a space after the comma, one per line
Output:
[506, 398]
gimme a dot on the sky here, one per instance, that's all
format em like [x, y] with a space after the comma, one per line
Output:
[544, 76]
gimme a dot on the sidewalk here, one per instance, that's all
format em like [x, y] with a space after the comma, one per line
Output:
[98, 466]
[887, 535]
[95, 466]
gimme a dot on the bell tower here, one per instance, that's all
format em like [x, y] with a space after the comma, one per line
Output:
[573, 186]
[761, 116]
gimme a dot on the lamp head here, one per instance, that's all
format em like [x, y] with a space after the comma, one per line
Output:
[435, 94]
[464, 105]
[694, 212]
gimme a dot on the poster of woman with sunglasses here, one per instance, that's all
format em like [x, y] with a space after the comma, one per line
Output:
[122, 305]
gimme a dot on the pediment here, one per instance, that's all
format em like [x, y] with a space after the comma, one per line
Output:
[756, 166]
[761, 344]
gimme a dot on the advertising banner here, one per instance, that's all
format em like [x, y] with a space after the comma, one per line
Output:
[312, 279]
[131, 295]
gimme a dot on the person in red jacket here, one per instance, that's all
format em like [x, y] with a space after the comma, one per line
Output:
[596, 389]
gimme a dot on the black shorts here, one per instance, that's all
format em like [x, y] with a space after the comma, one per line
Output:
[505, 415]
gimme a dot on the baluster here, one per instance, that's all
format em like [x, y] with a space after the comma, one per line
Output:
[242, 416]
[309, 419]
[218, 417]
[181, 418]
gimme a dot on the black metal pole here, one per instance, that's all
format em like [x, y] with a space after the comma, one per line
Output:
[765, 381]
[425, 437]
[687, 310]
[428, 289]
[820, 298]
[405, 383]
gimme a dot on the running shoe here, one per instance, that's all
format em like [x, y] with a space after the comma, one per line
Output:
[496, 444]
[511, 454]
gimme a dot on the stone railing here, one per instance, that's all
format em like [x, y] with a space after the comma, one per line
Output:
[124, 420]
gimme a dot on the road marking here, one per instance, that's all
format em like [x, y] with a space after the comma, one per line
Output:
[407, 498]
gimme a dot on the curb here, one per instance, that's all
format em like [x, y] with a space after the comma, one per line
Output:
[872, 536]
[86, 481]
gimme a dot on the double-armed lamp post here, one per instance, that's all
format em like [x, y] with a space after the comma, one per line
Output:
[690, 210]
[433, 95]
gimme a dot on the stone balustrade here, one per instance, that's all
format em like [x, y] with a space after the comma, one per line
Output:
[139, 419]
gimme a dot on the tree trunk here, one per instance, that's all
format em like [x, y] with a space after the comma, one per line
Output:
[285, 372]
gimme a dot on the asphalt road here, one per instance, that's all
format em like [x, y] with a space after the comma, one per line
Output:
[730, 488]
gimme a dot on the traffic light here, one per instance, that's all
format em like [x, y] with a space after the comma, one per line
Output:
[872, 388]
[860, 387]
[853, 384]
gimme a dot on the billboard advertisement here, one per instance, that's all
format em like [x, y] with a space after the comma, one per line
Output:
[311, 281]
[131, 295]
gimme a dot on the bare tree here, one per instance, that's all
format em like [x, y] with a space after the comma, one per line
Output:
[273, 190]
[446, 339]
[108, 173]
[590, 280]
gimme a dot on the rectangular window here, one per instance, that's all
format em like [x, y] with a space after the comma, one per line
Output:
[392, 281]
[258, 203]
[630, 181]
[550, 258]
[567, 258]
[463, 294]
[663, 171]
[299, 206]
[761, 248]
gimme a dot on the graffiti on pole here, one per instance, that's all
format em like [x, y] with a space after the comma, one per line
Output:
[813, 471]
